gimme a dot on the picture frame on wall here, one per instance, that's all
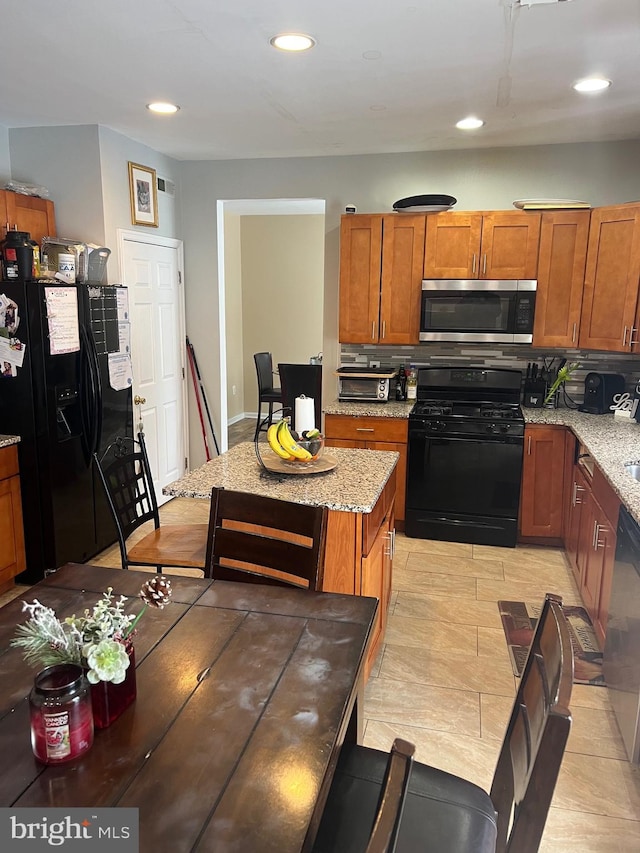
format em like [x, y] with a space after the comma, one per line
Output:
[143, 193]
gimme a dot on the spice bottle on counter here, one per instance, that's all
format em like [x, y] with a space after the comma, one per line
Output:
[412, 384]
[400, 383]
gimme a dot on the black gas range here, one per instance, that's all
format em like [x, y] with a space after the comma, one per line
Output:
[466, 436]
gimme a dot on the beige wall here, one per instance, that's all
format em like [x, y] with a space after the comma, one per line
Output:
[233, 315]
[282, 291]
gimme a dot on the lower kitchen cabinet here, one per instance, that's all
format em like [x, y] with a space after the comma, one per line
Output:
[359, 558]
[592, 553]
[373, 434]
[12, 553]
[576, 500]
[542, 490]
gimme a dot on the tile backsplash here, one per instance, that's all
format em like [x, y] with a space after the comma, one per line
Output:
[490, 355]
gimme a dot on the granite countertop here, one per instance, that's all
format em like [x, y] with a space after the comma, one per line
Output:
[354, 485]
[8, 440]
[392, 409]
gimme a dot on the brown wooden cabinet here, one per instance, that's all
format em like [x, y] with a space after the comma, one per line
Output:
[359, 558]
[542, 491]
[597, 546]
[374, 434]
[20, 212]
[576, 501]
[609, 306]
[380, 278]
[561, 265]
[491, 245]
[12, 553]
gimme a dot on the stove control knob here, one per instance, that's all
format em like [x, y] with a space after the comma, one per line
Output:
[439, 426]
[504, 427]
[493, 428]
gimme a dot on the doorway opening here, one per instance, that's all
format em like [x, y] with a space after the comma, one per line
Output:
[271, 293]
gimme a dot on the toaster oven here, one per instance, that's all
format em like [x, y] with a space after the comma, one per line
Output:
[364, 385]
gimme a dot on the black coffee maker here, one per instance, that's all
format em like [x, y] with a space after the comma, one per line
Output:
[599, 391]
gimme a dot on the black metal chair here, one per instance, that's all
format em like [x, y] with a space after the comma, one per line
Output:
[299, 379]
[126, 476]
[267, 392]
[444, 813]
[255, 539]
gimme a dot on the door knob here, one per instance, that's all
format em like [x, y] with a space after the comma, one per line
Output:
[139, 401]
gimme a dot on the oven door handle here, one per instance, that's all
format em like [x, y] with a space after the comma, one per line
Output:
[501, 438]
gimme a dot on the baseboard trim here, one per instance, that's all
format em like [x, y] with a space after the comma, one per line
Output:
[236, 418]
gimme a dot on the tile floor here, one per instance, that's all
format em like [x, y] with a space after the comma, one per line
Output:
[443, 680]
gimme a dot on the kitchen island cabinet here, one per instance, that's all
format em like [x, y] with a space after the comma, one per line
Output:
[360, 496]
[20, 212]
[12, 552]
[380, 278]
[482, 245]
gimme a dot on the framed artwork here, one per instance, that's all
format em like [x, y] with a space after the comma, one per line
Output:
[143, 195]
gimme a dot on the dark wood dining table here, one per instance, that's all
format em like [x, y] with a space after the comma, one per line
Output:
[245, 695]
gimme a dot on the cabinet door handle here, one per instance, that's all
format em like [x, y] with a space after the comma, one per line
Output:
[373, 330]
[624, 337]
[600, 528]
[365, 429]
[484, 264]
[393, 543]
[473, 264]
[631, 341]
[576, 489]
[573, 336]
[384, 328]
[595, 535]
[529, 446]
[389, 553]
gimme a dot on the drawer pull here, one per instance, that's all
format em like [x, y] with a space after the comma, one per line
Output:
[365, 429]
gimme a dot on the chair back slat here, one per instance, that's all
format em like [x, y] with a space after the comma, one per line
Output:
[532, 751]
[263, 540]
[264, 370]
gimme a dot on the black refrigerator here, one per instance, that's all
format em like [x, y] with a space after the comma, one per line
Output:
[58, 397]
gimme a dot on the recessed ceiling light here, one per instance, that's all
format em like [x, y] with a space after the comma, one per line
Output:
[162, 107]
[292, 41]
[469, 123]
[592, 84]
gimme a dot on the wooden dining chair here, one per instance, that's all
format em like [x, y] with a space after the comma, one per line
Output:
[126, 476]
[256, 539]
[445, 813]
[299, 379]
[267, 393]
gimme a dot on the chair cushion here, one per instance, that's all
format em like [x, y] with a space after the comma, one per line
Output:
[442, 813]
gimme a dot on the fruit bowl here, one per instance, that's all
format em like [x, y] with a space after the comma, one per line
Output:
[314, 446]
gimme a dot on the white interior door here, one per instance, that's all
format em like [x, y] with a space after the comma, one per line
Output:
[152, 273]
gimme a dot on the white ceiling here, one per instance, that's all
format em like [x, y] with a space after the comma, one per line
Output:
[383, 77]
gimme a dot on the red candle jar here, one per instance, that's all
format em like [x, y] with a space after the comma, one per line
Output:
[61, 715]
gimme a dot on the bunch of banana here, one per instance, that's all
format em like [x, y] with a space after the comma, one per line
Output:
[284, 444]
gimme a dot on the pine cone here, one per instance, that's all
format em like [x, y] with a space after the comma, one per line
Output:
[156, 592]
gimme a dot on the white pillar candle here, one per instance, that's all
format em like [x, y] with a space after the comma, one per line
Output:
[304, 414]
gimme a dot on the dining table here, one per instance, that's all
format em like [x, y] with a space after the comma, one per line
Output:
[245, 695]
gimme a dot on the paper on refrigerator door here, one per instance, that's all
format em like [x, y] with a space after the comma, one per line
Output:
[62, 319]
[120, 374]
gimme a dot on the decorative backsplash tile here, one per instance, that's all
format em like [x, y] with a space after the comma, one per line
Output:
[483, 355]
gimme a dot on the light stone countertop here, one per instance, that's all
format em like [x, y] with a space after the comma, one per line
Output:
[354, 485]
[8, 440]
[392, 409]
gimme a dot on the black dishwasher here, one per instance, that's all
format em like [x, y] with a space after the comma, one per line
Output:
[621, 663]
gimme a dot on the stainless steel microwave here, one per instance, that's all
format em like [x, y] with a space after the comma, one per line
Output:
[364, 385]
[478, 311]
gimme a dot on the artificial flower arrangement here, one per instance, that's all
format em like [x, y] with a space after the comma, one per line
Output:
[98, 640]
[563, 374]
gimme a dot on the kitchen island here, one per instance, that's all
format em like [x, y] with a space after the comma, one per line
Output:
[359, 494]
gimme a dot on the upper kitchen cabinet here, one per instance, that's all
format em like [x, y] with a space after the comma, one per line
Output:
[20, 212]
[495, 245]
[380, 278]
[561, 265]
[612, 274]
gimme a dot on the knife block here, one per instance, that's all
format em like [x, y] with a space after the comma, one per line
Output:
[535, 391]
